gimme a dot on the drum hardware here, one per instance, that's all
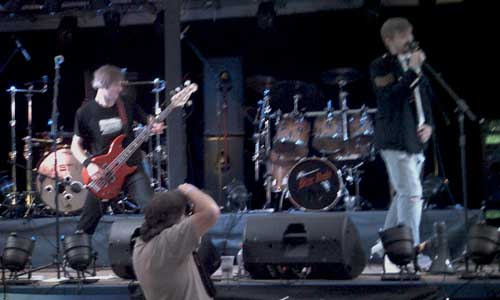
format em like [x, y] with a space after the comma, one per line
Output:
[159, 151]
[29, 195]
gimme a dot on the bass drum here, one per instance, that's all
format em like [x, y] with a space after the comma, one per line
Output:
[71, 194]
[314, 184]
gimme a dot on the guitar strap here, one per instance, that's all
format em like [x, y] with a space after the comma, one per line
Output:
[122, 113]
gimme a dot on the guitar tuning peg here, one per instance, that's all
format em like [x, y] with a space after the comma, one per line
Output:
[177, 89]
[187, 82]
[189, 103]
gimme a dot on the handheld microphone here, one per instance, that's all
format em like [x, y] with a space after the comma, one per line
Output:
[25, 53]
[413, 46]
[58, 59]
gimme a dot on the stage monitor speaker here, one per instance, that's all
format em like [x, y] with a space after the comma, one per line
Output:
[219, 75]
[122, 237]
[222, 168]
[302, 245]
[121, 246]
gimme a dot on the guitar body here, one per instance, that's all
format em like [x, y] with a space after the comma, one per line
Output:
[111, 188]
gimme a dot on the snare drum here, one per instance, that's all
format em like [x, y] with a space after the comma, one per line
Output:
[314, 184]
[292, 136]
[71, 194]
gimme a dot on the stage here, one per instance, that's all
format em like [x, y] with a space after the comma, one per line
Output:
[228, 232]
[227, 236]
[366, 286]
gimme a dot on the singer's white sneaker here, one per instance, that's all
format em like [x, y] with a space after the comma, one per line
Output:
[377, 250]
[389, 267]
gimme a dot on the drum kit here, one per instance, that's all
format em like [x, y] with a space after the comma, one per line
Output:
[311, 157]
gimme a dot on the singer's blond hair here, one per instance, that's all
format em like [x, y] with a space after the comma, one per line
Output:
[393, 26]
[107, 75]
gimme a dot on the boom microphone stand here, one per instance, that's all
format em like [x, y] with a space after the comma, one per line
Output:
[58, 60]
[462, 110]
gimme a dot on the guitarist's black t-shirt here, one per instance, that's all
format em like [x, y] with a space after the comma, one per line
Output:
[98, 126]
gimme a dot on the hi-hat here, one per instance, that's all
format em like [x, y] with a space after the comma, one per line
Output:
[259, 83]
[340, 76]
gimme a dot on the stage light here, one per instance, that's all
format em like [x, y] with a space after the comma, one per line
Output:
[99, 4]
[53, 6]
[236, 196]
[17, 253]
[399, 248]
[266, 15]
[112, 18]
[482, 244]
[78, 255]
[398, 244]
[67, 29]
[13, 6]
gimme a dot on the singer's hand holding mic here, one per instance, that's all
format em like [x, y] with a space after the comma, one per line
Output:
[417, 56]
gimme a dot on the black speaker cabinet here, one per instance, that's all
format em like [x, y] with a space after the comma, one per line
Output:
[122, 237]
[121, 246]
[222, 168]
[223, 88]
[315, 245]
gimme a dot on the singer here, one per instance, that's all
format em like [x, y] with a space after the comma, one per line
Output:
[97, 123]
[403, 121]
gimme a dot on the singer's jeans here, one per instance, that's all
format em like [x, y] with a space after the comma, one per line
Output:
[404, 174]
[138, 187]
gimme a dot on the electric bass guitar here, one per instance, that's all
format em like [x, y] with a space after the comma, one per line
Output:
[114, 163]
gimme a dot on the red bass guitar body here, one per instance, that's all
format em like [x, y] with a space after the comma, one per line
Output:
[111, 185]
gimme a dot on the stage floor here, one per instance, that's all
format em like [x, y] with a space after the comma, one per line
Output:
[366, 286]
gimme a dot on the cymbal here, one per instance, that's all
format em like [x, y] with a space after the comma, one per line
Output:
[259, 83]
[283, 92]
[339, 75]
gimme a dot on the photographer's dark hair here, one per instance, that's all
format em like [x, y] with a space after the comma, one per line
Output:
[164, 210]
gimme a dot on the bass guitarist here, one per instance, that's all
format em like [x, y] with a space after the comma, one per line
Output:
[97, 124]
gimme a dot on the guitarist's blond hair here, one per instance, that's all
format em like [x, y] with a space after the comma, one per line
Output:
[106, 75]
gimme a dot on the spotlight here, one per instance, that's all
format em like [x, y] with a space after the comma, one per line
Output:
[16, 255]
[482, 244]
[266, 15]
[67, 30]
[237, 196]
[112, 18]
[52, 6]
[78, 255]
[13, 6]
[398, 246]
[99, 4]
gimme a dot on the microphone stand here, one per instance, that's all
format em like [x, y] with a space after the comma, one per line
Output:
[159, 85]
[9, 59]
[462, 110]
[58, 60]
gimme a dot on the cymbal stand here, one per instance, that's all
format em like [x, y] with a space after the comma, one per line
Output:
[352, 177]
[28, 148]
[263, 142]
[344, 108]
[158, 86]
[159, 152]
[12, 196]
